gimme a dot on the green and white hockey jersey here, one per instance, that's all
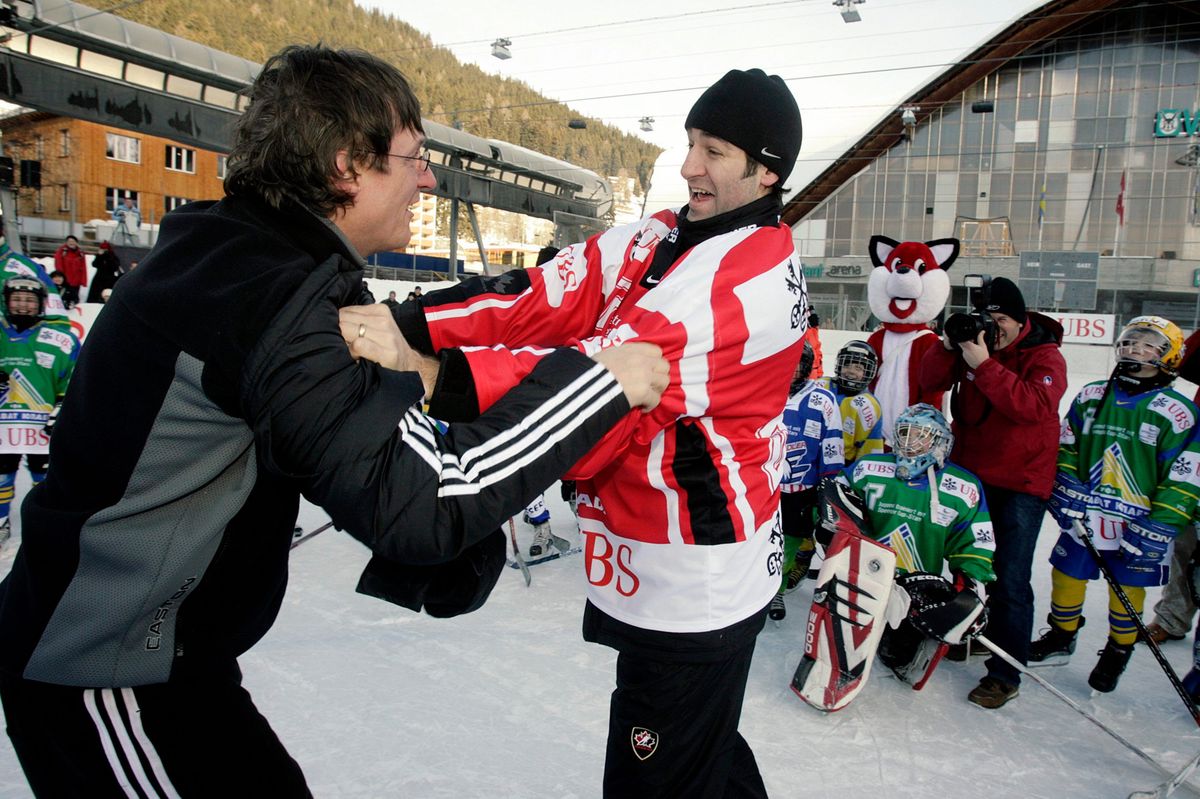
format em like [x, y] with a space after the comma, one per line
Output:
[1136, 454]
[39, 362]
[924, 531]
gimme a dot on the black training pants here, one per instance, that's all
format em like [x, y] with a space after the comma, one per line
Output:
[672, 730]
[200, 737]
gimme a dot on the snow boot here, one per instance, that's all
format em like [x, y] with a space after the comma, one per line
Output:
[1114, 658]
[992, 693]
[541, 540]
[777, 611]
[1055, 646]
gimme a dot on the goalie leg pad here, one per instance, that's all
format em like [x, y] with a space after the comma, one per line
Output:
[846, 620]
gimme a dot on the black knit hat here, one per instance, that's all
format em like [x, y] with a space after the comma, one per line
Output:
[756, 112]
[1004, 297]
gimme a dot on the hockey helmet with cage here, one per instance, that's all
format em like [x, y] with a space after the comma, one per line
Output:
[27, 283]
[856, 353]
[1146, 333]
[922, 439]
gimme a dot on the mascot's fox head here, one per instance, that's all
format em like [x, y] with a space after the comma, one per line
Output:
[909, 284]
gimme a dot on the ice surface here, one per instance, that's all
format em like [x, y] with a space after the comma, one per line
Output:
[375, 701]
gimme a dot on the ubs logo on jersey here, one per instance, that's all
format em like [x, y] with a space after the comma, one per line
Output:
[1180, 416]
[607, 565]
[644, 742]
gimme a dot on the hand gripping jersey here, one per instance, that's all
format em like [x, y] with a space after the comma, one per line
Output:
[862, 422]
[39, 362]
[924, 531]
[814, 437]
[677, 506]
[1135, 453]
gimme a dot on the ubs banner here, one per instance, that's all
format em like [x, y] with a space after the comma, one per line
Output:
[1085, 328]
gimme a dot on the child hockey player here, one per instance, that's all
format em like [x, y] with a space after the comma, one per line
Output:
[1127, 467]
[862, 420]
[813, 451]
[930, 513]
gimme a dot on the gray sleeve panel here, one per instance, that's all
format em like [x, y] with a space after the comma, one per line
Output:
[140, 558]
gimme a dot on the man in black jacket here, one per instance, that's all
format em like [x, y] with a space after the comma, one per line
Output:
[217, 388]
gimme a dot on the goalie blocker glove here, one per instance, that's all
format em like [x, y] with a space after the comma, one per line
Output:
[1145, 544]
[1069, 500]
[940, 610]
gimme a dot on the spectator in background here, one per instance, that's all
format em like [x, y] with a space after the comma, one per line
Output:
[1006, 429]
[68, 293]
[812, 337]
[366, 297]
[417, 292]
[128, 213]
[391, 301]
[108, 269]
[70, 260]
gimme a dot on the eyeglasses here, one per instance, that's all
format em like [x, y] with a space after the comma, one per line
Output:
[423, 157]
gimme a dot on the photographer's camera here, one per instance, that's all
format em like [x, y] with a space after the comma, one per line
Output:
[962, 327]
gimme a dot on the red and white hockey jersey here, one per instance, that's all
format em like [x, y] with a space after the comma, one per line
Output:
[678, 506]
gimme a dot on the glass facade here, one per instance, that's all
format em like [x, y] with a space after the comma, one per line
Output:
[1069, 119]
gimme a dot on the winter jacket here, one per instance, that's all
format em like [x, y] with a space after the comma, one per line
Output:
[678, 507]
[108, 269]
[1006, 422]
[214, 390]
[71, 263]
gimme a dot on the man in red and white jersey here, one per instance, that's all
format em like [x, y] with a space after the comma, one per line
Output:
[679, 506]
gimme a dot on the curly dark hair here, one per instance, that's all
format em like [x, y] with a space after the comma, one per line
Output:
[309, 103]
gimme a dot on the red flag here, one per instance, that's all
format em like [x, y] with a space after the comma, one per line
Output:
[1121, 201]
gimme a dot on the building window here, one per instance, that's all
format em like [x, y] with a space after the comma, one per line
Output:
[171, 203]
[64, 142]
[221, 161]
[123, 148]
[114, 197]
[64, 197]
[181, 159]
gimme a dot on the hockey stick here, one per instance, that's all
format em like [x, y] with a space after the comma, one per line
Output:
[512, 536]
[1086, 536]
[1042, 681]
[313, 534]
[1165, 789]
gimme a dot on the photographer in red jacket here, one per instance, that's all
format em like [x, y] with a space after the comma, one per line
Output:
[1006, 386]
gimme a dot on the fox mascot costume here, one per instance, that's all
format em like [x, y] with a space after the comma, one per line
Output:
[907, 289]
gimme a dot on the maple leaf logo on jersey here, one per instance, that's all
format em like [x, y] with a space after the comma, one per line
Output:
[644, 742]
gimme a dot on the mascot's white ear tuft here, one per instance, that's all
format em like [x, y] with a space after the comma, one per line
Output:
[945, 251]
[879, 248]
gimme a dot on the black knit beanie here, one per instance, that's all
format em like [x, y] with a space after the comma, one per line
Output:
[1005, 297]
[756, 112]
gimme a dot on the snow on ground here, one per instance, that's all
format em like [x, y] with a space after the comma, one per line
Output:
[377, 702]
